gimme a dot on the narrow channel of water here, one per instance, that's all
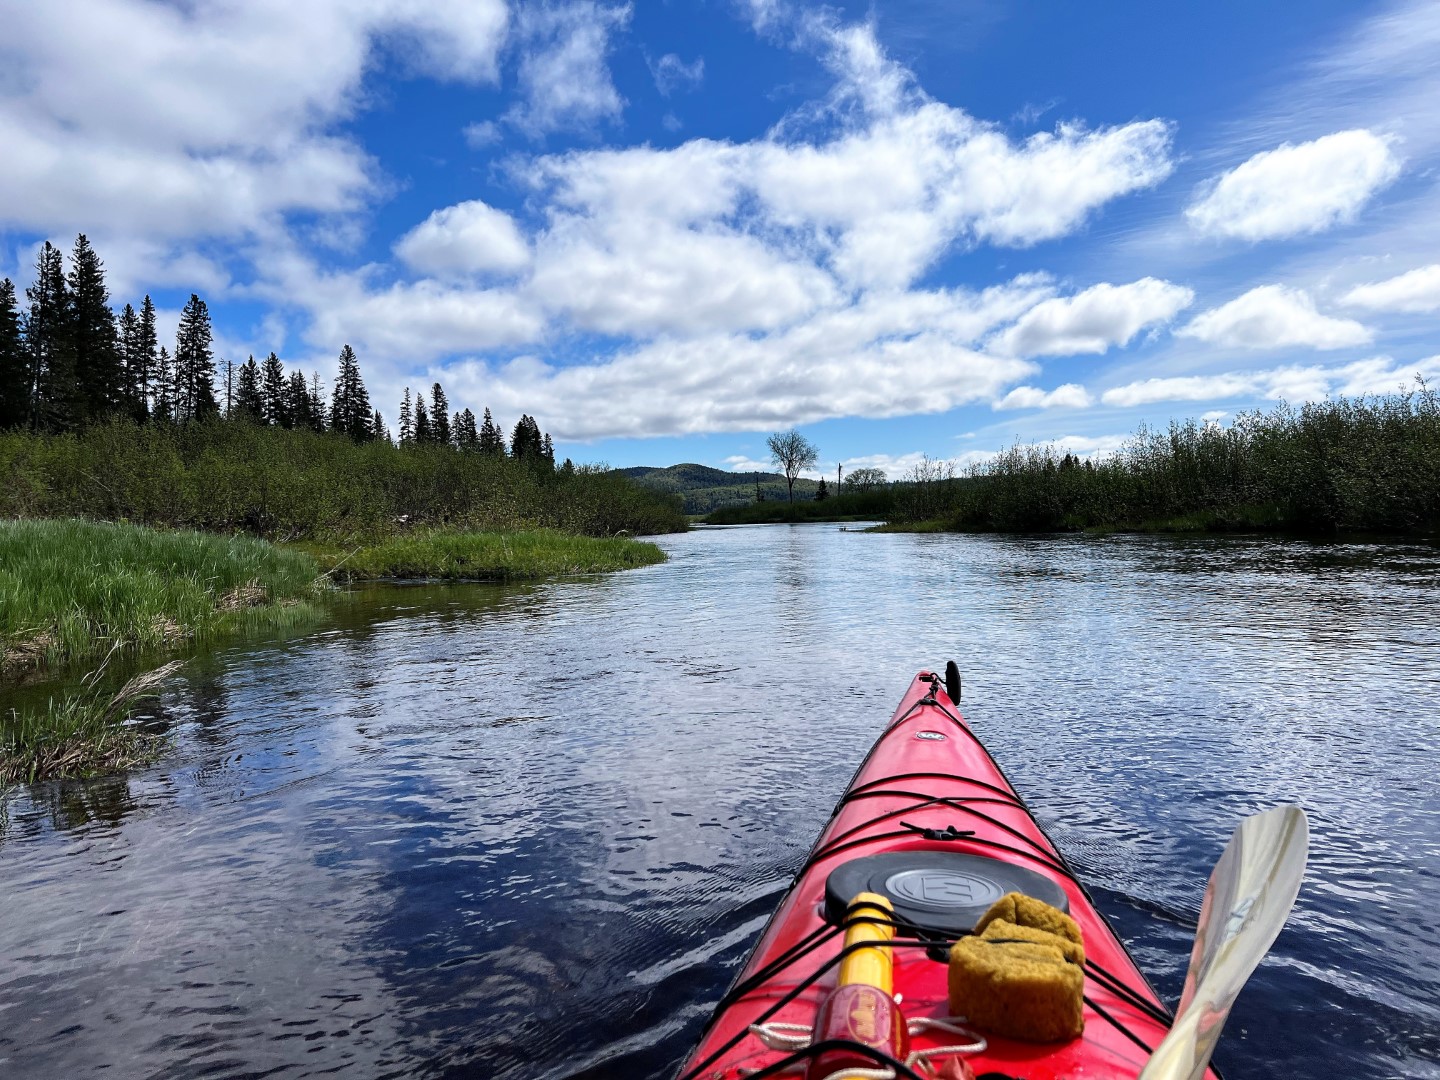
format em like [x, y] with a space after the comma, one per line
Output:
[529, 832]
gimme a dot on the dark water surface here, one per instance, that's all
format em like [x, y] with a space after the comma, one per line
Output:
[529, 832]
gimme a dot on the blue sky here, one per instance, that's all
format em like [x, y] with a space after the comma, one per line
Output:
[667, 229]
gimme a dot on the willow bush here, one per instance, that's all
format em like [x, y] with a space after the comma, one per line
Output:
[226, 476]
[1349, 464]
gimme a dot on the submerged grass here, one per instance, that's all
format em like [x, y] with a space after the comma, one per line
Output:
[71, 591]
[484, 556]
[81, 734]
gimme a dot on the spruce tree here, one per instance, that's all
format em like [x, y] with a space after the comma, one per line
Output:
[491, 441]
[55, 401]
[467, 436]
[274, 394]
[195, 363]
[164, 408]
[822, 492]
[14, 364]
[547, 450]
[317, 403]
[422, 421]
[132, 393]
[249, 402]
[146, 345]
[378, 431]
[98, 370]
[350, 412]
[407, 424]
[297, 402]
[526, 443]
[439, 416]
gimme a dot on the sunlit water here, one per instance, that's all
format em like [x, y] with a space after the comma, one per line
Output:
[530, 832]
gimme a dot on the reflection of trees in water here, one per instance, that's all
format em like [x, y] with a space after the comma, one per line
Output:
[73, 804]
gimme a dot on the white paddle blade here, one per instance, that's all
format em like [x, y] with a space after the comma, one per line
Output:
[1250, 894]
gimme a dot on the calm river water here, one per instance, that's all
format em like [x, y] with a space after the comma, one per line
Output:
[529, 832]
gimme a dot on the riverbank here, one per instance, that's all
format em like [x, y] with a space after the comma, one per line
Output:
[1348, 466]
[876, 505]
[75, 592]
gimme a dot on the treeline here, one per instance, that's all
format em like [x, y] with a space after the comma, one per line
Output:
[1347, 465]
[68, 361]
[296, 484]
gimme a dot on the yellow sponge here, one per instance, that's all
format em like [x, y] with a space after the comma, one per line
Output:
[1020, 978]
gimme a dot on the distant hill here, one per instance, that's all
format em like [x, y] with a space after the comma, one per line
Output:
[705, 489]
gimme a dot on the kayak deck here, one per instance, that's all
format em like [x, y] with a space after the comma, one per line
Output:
[929, 785]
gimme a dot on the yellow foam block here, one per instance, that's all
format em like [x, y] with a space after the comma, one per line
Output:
[1023, 975]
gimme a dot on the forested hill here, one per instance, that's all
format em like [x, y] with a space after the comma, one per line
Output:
[705, 489]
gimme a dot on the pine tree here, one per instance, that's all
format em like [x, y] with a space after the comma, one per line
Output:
[439, 416]
[821, 491]
[195, 363]
[350, 412]
[164, 408]
[146, 344]
[274, 394]
[547, 450]
[92, 332]
[132, 392]
[317, 403]
[378, 431]
[249, 402]
[491, 441]
[297, 402]
[14, 364]
[407, 424]
[54, 392]
[422, 420]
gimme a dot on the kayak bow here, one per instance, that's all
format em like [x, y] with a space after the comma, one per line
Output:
[932, 834]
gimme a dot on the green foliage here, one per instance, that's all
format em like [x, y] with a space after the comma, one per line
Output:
[73, 589]
[705, 489]
[473, 556]
[1356, 464]
[14, 364]
[295, 484]
[876, 505]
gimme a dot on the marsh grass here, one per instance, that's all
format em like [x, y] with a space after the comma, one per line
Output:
[71, 591]
[84, 733]
[484, 556]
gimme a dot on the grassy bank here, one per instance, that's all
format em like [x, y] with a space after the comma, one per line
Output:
[484, 556]
[867, 506]
[233, 476]
[1367, 465]
[71, 591]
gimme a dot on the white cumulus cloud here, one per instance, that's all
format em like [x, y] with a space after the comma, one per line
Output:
[1295, 383]
[1094, 320]
[1272, 317]
[1069, 396]
[467, 238]
[564, 76]
[1296, 188]
[1414, 292]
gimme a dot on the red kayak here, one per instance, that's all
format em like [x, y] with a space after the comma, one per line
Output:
[931, 825]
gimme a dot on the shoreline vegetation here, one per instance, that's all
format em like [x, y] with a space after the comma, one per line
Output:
[73, 591]
[1347, 466]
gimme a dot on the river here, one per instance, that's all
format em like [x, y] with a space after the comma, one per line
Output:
[519, 832]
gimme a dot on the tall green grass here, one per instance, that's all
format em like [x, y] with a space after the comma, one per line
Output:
[1352, 464]
[486, 556]
[73, 590]
[226, 476]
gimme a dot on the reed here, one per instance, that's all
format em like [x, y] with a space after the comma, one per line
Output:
[81, 734]
[480, 556]
[73, 590]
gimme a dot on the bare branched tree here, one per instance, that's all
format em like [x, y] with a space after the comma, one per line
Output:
[792, 452]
